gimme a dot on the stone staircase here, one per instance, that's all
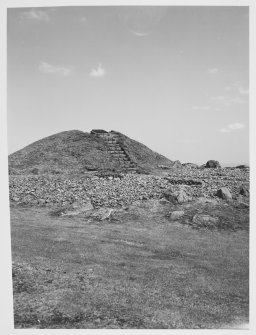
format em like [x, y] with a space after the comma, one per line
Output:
[115, 149]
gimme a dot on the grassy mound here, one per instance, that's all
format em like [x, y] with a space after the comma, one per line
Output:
[75, 151]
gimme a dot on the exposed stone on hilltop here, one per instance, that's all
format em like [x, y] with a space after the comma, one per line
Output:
[190, 165]
[242, 166]
[212, 164]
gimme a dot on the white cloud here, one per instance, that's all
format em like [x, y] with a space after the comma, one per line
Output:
[236, 100]
[213, 70]
[51, 69]
[202, 108]
[228, 100]
[243, 91]
[99, 72]
[232, 127]
[237, 87]
[139, 34]
[36, 15]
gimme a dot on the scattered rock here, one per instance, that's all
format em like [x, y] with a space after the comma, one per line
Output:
[164, 167]
[213, 164]
[224, 193]
[178, 194]
[41, 202]
[242, 167]
[241, 204]
[62, 191]
[82, 206]
[244, 190]
[175, 215]
[176, 165]
[204, 200]
[205, 220]
[190, 165]
[102, 214]
[78, 208]
[203, 166]
[152, 205]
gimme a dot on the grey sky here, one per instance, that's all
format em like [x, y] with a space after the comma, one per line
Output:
[173, 78]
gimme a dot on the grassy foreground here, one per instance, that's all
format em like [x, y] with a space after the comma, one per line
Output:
[132, 273]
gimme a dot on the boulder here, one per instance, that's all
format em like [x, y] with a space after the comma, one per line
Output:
[29, 199]
[41, 202]
[82, 206]
[242, 202]
[102, 214]
[190, 165]
[175, 215]
[205, 200]
[178, 194]
[244, 190]
[242, 167]
[176, 165]
[212, 164]
[205, 220]
[224, 193]
[78, 208]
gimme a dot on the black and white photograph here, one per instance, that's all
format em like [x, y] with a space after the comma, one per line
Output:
[127, 131]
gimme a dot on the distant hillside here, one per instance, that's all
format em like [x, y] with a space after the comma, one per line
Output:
[77, 152]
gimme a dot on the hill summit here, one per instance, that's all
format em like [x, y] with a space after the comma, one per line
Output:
[78, 152]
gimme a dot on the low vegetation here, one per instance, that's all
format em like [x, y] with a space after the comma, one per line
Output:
[137, 269]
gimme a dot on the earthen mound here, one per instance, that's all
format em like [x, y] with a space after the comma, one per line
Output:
[76, 152]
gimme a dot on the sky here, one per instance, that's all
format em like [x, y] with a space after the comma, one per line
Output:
[174, 78]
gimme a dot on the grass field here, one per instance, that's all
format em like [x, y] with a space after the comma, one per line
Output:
[138, 272]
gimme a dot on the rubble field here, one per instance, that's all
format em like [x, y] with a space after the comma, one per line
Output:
[122, 189]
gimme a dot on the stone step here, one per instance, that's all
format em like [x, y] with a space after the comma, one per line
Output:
[115, 148]
[119, 152]
[112, 144]
[116, 153]
[110, 140]
[121, 159]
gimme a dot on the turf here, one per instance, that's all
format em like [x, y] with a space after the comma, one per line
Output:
[133, 273]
